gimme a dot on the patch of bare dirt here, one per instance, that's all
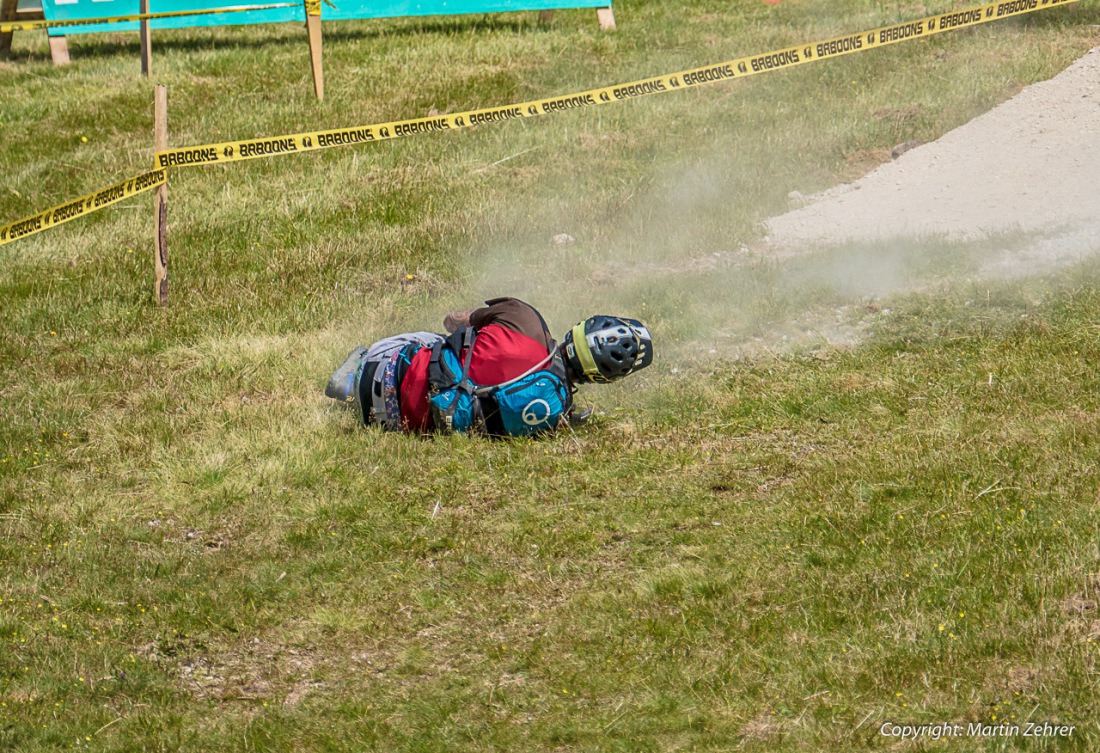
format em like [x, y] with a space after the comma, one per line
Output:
[1022, 679]
[1027, 167]
[252, 670]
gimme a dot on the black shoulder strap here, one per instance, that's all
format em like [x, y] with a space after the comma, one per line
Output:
[440, 375]
[468, 343]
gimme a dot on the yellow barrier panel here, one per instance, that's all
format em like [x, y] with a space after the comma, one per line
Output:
[234, 151]
[6, 28]
[93, 202]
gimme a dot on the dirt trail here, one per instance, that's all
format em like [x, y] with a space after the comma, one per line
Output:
[1030, 165]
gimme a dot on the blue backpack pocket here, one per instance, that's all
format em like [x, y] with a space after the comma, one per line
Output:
[533, 404]
[452, 410]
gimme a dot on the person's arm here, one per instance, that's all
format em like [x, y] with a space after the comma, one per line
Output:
[456, 319]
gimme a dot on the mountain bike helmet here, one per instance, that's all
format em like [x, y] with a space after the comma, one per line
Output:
[605, 348]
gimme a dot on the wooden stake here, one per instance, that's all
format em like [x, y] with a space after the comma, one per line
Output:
[7, 13]
[146, 42]
[160, 198]
[313, 28]
[59, 50]
[606, 18]
[545, 17]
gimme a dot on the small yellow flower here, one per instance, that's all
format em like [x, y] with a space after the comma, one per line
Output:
[84, 139]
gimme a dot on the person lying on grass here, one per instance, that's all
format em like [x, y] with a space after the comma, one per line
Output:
[498, 373]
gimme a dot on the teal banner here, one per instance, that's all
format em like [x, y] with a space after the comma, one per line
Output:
[71, 10]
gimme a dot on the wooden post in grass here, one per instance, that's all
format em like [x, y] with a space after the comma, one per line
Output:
[606, 18]
[146, 42]
[313, 29]
[59, 50]
[160, 198]
[7, 13]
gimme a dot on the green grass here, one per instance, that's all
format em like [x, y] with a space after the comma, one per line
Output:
[776, 546]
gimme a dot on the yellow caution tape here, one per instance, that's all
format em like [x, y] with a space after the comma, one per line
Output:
[313, 7]
[234, 151]
[8, 27]
[93, 202]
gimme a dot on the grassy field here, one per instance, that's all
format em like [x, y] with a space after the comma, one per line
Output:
[767, 541]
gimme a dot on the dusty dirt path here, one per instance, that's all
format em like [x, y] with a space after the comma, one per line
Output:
[1030, 165]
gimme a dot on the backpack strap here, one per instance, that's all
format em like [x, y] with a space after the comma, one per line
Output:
[469, 334]
[440, 374]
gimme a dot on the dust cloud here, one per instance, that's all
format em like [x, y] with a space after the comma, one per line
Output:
[1004, 196]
